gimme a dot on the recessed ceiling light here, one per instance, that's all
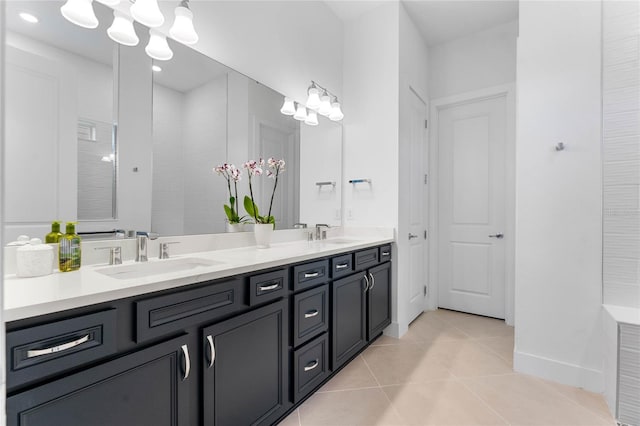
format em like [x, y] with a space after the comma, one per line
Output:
[27, 17]
[156, 68]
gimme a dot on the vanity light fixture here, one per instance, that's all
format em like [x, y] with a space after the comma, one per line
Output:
[313, 101]
[110, 2]
[158, 48]
[325, 104]
[312, 118]
[80, 12]
[182, 29]
[301, 113]
[121, 30]
[288, 107]
[147, 12]
[336, 112]
[27, 17]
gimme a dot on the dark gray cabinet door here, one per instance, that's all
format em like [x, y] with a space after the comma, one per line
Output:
[379, 300]
[144, 388]
[246, 368]
[349, 318]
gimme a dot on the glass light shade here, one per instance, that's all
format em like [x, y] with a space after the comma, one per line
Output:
[288, 107]
[336, 112]
[110, 2]
[80, 12]
[147, 13]
[182, 29]
[312, 118]
[301, 113]
[313, 101]
[325, 105]
[121, 30]
[158, 48]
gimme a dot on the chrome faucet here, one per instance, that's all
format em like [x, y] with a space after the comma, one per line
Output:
[164, 249]
[142, 241]
[320, 234]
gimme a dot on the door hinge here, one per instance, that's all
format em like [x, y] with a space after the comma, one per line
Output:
[426, 178]
[425, 124]
[425, 290]
[425, 234]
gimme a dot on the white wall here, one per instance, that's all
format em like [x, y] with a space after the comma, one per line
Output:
[484, 59]
[371, 64]
[282, 44]
[558, 201]
[413, 74]
[204, 147]
[2, 331]
[167, 216]
[321, 161]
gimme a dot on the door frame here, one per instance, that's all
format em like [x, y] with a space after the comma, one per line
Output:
[508, 91]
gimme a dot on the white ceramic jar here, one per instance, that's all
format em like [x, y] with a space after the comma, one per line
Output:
[34, 259]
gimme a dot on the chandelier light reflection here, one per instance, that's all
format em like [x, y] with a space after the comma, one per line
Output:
[146, 12]
[319, 101]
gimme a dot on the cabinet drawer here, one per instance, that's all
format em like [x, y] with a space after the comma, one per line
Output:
[311, 314]
[366, 258]
[341, 265]
[385, 253]
[310, 274]
[37, 352]
[166, 314]
[268, 286]
[310, 366]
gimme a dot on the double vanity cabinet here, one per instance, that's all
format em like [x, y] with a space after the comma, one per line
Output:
[240, 350]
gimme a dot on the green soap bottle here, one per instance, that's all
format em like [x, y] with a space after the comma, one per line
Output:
[69, 254]
[55, 234]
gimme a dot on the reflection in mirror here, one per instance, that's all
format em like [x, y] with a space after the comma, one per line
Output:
[59, 112]
[97, 168]
[204, 115]
[64, 84]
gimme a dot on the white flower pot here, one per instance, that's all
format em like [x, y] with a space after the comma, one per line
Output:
[263, 232]
[235, 227]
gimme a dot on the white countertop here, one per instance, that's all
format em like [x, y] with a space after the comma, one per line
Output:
[29, 297]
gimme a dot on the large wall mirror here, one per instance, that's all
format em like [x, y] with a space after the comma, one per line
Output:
[102, 134]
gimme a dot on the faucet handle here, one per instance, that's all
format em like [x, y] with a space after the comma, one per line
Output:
[115, 254]
[164, 249]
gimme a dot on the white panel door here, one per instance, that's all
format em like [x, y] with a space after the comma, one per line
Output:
[41, 143]
[277, 142]
[417, 217]
[471, 207]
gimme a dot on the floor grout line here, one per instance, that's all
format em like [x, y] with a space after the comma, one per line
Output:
[486, 404]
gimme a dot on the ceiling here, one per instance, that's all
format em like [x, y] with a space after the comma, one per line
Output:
[439, 21]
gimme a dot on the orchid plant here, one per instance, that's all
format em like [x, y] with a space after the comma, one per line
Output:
[232, 175]
[256, 168]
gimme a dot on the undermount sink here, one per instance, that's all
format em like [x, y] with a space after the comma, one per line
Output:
[143, 269]
[340, 241]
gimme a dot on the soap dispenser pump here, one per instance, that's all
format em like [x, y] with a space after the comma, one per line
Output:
[55, 234]
[69, 254]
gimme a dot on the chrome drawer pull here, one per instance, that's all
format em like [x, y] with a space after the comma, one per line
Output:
[366, 286]
[187, 362]
[385, 253]
[342, 265]
[311, 275]
[269, 287]
[212, 348]
[313, 364]
[59, 348]
[373, 281]
[311, 314]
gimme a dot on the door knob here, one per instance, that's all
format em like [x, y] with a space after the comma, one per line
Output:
[412, 236]
[498, 236]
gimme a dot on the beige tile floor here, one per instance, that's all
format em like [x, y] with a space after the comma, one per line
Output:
[449, 369]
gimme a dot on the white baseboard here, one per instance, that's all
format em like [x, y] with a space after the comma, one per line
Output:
[396, 330]
[558, 371]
